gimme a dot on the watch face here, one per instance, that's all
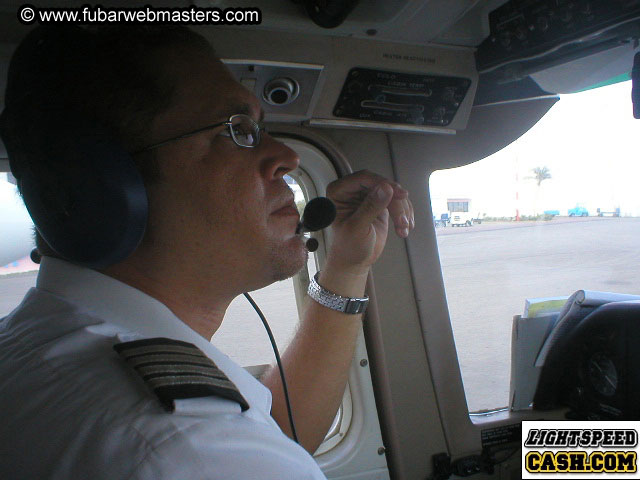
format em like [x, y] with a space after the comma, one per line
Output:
[602, 374]
[355, 306]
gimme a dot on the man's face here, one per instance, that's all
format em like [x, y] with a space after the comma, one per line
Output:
[226, 208]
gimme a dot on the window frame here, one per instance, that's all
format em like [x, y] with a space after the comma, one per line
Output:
[355, 448]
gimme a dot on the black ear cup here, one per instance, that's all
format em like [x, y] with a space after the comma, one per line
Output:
[90, 205]
[82, 189]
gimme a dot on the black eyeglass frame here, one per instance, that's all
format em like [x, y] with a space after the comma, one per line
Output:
[229, 123]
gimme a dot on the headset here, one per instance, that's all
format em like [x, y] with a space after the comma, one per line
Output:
[87, 200]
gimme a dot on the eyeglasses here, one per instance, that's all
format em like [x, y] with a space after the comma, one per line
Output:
[242, 129]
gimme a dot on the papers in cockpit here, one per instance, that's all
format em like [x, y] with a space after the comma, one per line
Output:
[537, 307]
[527, 335]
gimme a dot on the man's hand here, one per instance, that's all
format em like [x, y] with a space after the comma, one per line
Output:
[365, 203]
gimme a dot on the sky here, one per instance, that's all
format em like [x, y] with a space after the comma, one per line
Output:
[588, 141]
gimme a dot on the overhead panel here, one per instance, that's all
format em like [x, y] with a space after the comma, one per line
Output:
[353, 83]
[397, 87]
[285, 89]
[400, 98]
[532, 35]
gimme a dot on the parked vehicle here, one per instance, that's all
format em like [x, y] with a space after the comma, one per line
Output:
[609, 213]
[459, 212]
[443, 221]
[578, 212]
[461, 219]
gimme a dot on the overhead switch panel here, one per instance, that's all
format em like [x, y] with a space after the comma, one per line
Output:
[401, 98]
[541, 32]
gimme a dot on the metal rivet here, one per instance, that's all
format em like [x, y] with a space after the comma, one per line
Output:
[381, 451]
[364, 362]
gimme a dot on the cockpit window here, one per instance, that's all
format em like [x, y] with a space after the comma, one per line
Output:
[555, 212]
[17, 271]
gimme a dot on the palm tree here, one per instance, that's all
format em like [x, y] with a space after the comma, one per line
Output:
[540, 174]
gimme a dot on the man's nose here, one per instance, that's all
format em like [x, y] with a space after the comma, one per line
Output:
[280, 159]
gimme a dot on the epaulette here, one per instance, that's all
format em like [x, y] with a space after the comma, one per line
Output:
[176, 370]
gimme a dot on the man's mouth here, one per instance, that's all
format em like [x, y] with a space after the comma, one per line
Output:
[287, 210]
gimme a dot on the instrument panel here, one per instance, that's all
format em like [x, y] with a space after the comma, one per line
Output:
[595, 368]
[401, 98]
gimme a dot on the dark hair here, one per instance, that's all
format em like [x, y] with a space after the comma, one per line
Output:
[112, 76]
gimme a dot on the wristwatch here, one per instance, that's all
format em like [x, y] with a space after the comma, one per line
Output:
[336, 302]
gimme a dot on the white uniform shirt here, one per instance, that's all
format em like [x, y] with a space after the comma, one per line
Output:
[73, 409]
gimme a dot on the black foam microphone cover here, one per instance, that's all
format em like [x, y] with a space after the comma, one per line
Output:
[318, 214]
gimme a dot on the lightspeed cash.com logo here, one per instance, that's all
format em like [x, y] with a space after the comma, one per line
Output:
[584, 449]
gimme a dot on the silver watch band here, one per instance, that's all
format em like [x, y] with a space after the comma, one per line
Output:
[336, 302]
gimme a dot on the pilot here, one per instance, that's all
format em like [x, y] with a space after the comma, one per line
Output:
[107, 370]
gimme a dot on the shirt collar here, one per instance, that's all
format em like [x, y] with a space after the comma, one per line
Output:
[114, 301]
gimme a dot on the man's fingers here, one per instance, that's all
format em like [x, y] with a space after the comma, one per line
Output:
[366, 179]
[401, 212]
[356, 190]
[373, 205]
[413, 215]
[399, 192]
[410, 215]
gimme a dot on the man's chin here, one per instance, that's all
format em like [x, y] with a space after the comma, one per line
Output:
[290, 259]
